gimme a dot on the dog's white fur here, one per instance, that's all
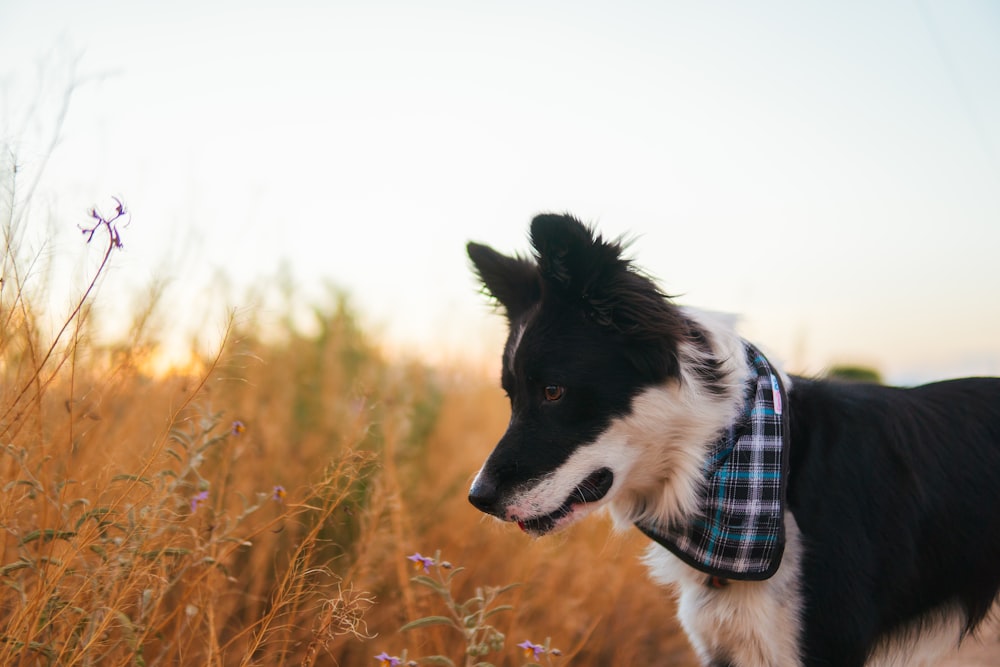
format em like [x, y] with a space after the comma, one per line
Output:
[753, 623]
[670, 429]
[516, 342]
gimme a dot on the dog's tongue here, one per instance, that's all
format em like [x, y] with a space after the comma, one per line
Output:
[520, 524]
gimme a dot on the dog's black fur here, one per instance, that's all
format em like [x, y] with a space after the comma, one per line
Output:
[896, 492]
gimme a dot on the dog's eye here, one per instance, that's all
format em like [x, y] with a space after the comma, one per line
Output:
[553, 392]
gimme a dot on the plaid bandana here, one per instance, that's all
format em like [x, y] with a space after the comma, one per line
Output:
[739, 532]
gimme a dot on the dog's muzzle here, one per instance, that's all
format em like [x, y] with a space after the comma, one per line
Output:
[486, 496]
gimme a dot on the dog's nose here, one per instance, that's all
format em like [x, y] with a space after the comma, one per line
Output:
[483, 495]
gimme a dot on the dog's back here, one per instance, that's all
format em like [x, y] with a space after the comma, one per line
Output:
[897, 495]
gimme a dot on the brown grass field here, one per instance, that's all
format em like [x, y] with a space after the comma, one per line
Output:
[258, 507]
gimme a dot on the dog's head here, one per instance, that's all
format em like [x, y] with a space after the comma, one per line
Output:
[588, 334]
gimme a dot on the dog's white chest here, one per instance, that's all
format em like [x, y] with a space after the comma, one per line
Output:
[748, 623]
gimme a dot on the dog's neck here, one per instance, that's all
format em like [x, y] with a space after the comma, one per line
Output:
[738, 530]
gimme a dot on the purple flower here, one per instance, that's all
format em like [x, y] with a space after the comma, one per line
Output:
[532, 651]
[198, 499]
[238, 427]
[386, 660]
[278, 494]
[421, 561]
[110, 224]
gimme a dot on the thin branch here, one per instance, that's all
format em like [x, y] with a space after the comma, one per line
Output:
[114, 241]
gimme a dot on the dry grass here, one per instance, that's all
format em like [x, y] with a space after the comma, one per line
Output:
[258, 510]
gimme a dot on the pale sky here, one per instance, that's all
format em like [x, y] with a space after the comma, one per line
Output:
[830, 172]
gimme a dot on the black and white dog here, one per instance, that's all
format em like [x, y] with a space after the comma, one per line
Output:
[805, 522]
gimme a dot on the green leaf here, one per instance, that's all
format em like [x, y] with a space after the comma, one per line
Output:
[430, 583]
[14, 567]
[504, 589]
[95, 513]
[181, 437]
[22, 482]
[429, 620]
[79, 501]
[46, 535]
[497, 610]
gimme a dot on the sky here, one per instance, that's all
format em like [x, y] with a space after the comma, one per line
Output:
[828, 172]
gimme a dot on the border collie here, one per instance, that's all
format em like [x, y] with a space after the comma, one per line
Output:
[804, 521]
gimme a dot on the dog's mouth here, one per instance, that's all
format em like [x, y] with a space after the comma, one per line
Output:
[590, 490]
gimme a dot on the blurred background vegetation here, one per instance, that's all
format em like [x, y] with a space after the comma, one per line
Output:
[256, 506]
[855, 373]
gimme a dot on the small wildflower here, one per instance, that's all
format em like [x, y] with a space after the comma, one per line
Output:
[421, 561]
[278, 494]
[198, 499]
[386, 660]
[109, 223]
[532, 651]
[238, 428]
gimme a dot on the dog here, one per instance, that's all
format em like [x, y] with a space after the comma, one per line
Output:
[804, 521]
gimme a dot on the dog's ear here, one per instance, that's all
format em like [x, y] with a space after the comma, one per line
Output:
[570, 255]
[590, 271]
[512, 281]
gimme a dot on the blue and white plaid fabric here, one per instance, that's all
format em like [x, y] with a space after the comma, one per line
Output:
[739, 532]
